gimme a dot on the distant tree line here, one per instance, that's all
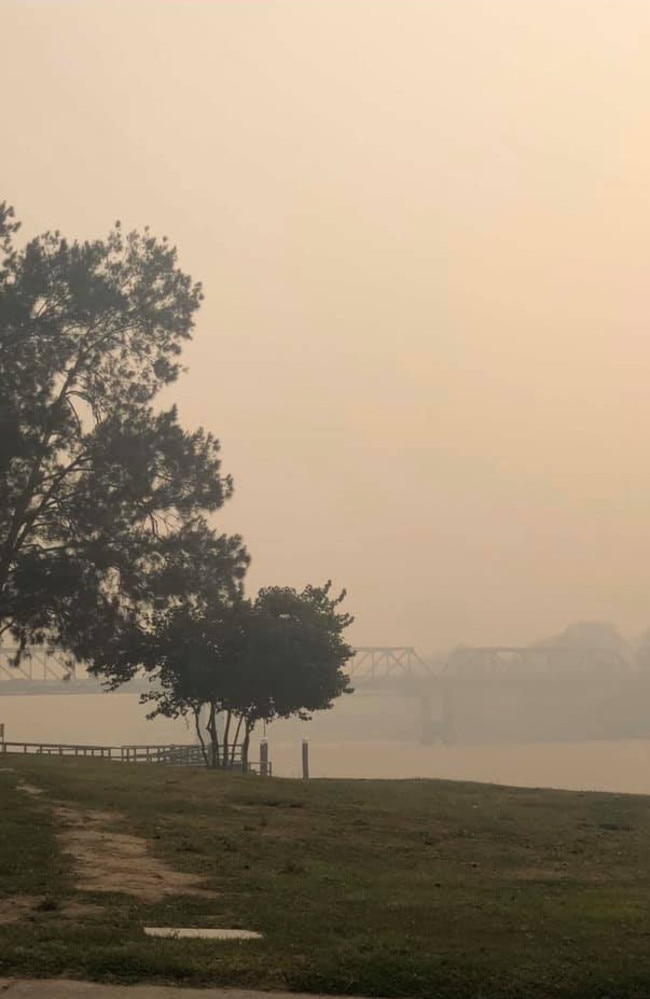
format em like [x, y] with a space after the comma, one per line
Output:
[106, 546]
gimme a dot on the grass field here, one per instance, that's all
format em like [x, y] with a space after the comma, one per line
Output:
[393, 888]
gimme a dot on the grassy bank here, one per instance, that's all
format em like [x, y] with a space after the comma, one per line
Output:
[401, 888]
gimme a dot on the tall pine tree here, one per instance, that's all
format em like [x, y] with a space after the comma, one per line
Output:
[103, 497]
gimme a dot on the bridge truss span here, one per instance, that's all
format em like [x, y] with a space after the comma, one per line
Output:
[379, 662]
[36, 664]
[44, 670]
[545, 661]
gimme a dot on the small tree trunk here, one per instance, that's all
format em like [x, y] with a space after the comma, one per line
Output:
[214, 737]
[250, 725]
[233, 748]
[197, 725]
[226, 740]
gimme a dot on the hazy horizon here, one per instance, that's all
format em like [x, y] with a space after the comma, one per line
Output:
[422, 230]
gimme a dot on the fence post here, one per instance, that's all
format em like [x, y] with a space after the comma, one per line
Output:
[264, 758]
[2, 732]
[305, 759]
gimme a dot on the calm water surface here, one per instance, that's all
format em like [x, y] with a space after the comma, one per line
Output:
[342, 744]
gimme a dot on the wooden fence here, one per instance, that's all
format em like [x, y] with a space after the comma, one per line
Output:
[180, 756]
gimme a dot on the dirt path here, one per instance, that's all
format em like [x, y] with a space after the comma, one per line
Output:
[55, 988]
[110, 861]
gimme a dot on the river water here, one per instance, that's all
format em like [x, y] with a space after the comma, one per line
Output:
[356, 740]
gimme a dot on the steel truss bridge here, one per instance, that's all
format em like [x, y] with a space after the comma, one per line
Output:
[543, 660]
[44, 670]
[458, 699]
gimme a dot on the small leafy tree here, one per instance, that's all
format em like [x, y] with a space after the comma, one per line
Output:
[103, 500]
[280, 655]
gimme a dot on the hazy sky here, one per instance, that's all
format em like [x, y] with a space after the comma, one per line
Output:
[423, 227]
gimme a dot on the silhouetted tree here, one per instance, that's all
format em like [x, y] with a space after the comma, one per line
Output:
[589, 635]
[103, 499]
[596, 645]
[278, 656]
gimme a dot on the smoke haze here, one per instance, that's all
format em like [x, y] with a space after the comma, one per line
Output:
[423, 233]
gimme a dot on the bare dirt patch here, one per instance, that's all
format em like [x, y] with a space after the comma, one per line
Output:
[16, 908]
[19, 907]
[550, 874]
[80, 910]
[539, 874]
[30, 789]
[111, 861]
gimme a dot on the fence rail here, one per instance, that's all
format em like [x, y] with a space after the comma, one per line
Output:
[181, 756]
[59, 749]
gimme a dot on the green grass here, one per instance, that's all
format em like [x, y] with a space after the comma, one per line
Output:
[379, 888]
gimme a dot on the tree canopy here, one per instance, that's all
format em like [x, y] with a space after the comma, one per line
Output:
[103, 500]
[106, 550]
[278, 656]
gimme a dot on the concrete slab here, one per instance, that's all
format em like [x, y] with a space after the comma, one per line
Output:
[58, 988]
[200, 933]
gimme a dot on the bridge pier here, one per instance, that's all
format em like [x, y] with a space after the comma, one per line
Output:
[427, 729]
[448, 715]
[437, 729]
